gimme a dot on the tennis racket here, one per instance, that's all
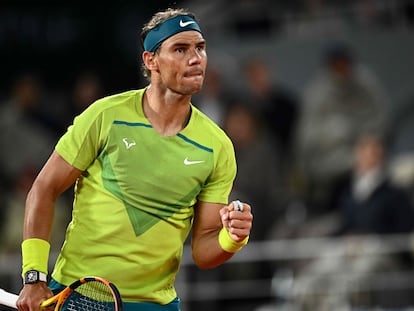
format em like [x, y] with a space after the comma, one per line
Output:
[86, 294]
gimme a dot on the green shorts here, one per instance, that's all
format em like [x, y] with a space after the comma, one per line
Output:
[130, 306]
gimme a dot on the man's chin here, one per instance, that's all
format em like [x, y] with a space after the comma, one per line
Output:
[194, 89]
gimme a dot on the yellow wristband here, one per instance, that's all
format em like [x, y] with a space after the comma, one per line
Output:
[228, 244]
[35, 255]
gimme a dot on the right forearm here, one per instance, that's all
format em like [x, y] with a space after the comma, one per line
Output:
[37, 228]
[39, 213]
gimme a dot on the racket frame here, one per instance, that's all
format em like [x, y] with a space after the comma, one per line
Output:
[59, 299]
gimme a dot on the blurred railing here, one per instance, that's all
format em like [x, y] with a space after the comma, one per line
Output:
[302, 263]
[289, 284]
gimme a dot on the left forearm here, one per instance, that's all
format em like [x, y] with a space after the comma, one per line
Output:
[219, 231]
[207, 252]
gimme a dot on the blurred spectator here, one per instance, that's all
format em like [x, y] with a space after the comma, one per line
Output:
[87, 88]
[370, 205]
[259, 180]
[213, 100]
[26, 140]
[370, 202]
[278, 106]
[13, 214]
[27, 143]
[343, 100]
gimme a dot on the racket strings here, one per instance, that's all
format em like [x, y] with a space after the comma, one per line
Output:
[91, 296]
[96, 290]
[87, 304]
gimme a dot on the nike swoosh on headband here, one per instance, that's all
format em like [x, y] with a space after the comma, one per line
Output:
[185, 24]
[167, 29]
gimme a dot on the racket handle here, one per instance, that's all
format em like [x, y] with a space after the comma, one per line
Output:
[8, 299]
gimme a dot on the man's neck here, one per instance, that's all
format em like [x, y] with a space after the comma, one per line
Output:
[168, 113]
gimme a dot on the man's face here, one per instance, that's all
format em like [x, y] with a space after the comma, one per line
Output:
[182, 61]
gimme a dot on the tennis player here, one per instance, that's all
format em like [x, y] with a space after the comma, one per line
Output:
[147, 167]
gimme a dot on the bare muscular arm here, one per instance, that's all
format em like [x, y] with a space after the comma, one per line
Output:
[209, 219]
[55, 177]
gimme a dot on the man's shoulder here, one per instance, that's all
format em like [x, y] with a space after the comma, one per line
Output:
[205, 123]
[207, 131]
[121, 97]
[115, 102]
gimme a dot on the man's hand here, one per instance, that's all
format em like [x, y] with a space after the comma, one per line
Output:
[238, 219]
[32, 295]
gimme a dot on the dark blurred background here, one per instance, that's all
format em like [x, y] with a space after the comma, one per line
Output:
[318, 98]
[58, 40]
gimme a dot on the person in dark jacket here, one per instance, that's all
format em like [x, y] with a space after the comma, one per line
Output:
[370, 202]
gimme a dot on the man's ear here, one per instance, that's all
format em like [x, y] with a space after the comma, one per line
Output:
[149, 60]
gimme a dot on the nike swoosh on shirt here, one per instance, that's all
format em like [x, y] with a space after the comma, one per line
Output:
[185, 24]
[188, 162]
